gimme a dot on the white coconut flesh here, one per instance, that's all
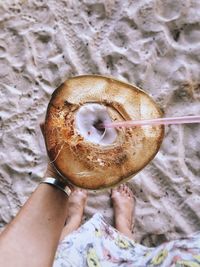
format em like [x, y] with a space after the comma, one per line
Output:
[89, 117]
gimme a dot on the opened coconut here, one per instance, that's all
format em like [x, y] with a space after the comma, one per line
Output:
[88, 155]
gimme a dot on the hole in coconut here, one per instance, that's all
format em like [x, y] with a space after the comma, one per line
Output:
[99, 126]
[89, 123]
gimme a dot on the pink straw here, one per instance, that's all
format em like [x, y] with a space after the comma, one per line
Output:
[158, 121]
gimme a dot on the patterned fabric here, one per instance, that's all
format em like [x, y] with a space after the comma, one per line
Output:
[97, 244]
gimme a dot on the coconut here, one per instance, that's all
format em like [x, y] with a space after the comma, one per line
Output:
[85, 153]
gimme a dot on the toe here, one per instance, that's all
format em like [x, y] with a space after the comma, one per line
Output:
[114, 192]
[85, 193]
[126, 190]
[129, 191]
[73, 189]
[120, 188]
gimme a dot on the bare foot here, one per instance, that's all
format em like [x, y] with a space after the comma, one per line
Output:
[75, 207]
[124, 205]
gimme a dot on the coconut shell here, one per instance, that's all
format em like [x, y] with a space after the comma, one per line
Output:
[92, 166]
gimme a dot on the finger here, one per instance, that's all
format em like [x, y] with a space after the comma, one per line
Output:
[42, 128]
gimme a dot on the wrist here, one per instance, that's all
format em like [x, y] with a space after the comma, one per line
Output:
[52, 172]
[57, 183]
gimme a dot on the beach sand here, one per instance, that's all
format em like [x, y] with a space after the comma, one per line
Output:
[152, 44]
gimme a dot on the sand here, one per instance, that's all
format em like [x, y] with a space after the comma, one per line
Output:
[153, 44]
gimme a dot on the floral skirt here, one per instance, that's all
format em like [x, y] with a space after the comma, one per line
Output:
[96, 244]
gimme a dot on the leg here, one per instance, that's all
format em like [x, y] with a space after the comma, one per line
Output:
[123, 204]
[75, 207]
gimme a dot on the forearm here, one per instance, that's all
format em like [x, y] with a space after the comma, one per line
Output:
[32, 237]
